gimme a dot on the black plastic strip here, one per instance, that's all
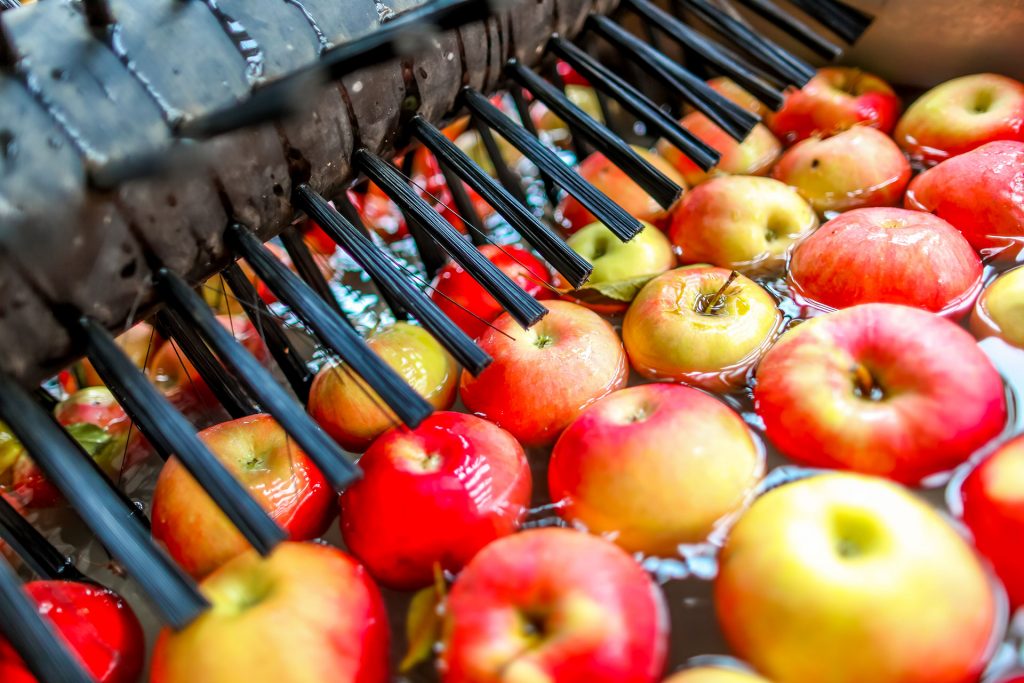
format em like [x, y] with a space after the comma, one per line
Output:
[467, 212]
[770, 11]
[32, 547]
[308, 269]
[506, 176]
[523, 111]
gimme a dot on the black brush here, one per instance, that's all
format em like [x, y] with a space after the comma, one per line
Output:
[225, 386]
[727, 115]
[521, 306]
[324, 452]
[100, 506]
[44, 652]
[307, 268]
[756, 81]
[171, 434]
[464, 205]
[432, 256]
[573, 267]
[383, 271]
[659, 186]
[98, 14]
[526, 121]
[623, 225]
[769, 10]
[45, 398]
[32, 547]
[287, 356]
[351, 214]
[632, 100]
[791, 69]
[9, 4]
[845, 21]
[508, 178]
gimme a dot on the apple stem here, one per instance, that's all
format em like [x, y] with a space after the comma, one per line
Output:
[705, 305]
[865, 383]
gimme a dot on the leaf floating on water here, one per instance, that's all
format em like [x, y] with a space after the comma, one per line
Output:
[423, 623]
[621, 291]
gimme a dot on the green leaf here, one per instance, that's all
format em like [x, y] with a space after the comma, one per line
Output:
[423, 623]
[621, 291]
[91, 437]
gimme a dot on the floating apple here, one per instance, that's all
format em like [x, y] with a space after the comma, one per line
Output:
[468, 304]
[97, 625]
[138, 342]
[884, 255]
[269, 464]
[434, 496]
[11, 672]
[979, 193]
[962, 114]
[715, 674]
[740, 222]
[837, 98]
[754, 156]
[617, 184]
[306, 613]
[617, 263]
[847, 579]
[543, 377]
[736, 94]
[352, 413]
[999, 311]
[856, 168]
[879, 389]
[700, 325]
[653, 467]
[553, 605]
[993, 500]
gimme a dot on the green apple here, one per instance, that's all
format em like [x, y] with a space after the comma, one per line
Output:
[999, 311]
[700, 325]
[844, 578]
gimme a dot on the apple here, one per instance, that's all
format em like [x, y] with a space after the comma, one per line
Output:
[960, 115]
[653, 467]
[11, 672]
[999, 311]
[269, 465]
[858, 167]
[434, 496]
[617, 184]
[306, 613]
[138, 342]
[754, 156]
[848, 579]
[352, 413]
[583, 96]
[993, 509]
[469, 305]
[740, 222]
[715, 674]
[836, 98]
[180, 381]
[618, 263]
[98, 626]
[879, 389]
[979, 192]
[553, 605]
[735, 93]
[700, 325]
[379, 214]
[543, 377]
[886, 255]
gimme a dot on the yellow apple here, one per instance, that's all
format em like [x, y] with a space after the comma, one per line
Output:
[999, 311]
[715, 674]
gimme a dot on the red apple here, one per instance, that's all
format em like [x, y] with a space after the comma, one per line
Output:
[700, 325]
[616, 183]
[962, 114]
[884, 255]
[139, 342]
[468, 304]
[740, 222]
[306, 613]
[653, 467]
[979, 192]
[11, 672]
[993, 508]
[97, 625]
[542, 378]
[379, 213]
[856, 168]
[754, 156]
[999, 311]
[434, 495]
[879, 389]
[554, 605]
[836, 99]
[852, 579]
[353, 414]
[268, 463]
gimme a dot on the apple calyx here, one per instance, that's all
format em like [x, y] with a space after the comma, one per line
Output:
[864, 383]
[713, 304]
[856, 534]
